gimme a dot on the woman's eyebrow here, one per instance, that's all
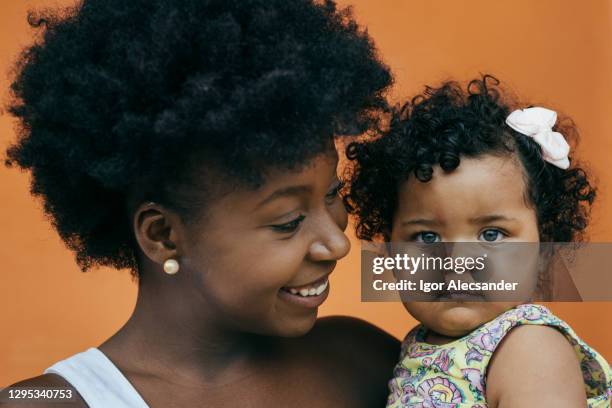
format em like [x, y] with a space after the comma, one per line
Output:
[284, 192]
[490, 218]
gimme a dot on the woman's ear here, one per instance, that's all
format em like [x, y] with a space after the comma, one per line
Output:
[157, 232]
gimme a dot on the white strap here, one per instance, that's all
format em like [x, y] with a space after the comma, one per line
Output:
[98, 380]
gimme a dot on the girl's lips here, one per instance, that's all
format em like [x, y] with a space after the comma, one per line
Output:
[303, 297]
[461, 296]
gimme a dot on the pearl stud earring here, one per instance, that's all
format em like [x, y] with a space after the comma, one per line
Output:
[171, 266]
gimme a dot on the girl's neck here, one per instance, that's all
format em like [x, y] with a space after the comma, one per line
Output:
[437, 339]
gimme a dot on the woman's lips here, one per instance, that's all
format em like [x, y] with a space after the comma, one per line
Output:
[311, 295]
[310, 289]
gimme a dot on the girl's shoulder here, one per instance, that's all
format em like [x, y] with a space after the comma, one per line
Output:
[493, 333]
[553, 360]
[535, 363]
[532, 315]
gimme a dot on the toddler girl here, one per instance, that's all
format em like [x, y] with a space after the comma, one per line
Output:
[461, 165]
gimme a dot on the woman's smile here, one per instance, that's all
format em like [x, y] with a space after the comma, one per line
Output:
[310, 295]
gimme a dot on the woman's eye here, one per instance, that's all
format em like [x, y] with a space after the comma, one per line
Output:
[491, 235]
[334, 192]
[427, 237]
[290, 226]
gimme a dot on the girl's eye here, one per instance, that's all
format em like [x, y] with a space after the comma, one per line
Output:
[427, 237]
[334, 192]
[288, 227]
[491, 235]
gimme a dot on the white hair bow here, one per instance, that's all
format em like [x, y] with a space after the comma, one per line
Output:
[537, 123]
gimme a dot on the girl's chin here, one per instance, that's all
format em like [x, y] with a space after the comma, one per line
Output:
[460, 321]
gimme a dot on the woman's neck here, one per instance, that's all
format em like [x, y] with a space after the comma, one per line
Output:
[169, 337]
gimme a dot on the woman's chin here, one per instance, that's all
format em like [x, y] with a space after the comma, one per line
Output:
[297, 326]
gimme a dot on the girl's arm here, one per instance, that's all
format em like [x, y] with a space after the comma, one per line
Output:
[535, 366]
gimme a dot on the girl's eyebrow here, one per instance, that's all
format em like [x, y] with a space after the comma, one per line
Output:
[490, 218]
[423, 221]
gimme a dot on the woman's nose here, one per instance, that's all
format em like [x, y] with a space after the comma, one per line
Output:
[330, 243]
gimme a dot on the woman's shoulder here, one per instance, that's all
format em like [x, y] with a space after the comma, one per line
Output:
[346, 334]
[356, 354]
[45, 381]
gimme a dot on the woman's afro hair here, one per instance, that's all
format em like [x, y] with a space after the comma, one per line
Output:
[438, 128]
[117, 97]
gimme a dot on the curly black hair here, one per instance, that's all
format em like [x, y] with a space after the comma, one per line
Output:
[448, 122]
[118, 100]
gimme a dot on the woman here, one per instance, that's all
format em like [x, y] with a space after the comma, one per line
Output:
[191, 141]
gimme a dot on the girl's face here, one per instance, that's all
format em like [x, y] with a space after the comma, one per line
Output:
[259, 261]
[482, 200]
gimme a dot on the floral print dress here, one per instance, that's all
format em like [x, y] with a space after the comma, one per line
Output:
[454, 375]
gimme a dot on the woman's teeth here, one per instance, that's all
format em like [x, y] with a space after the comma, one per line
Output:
[310, 290]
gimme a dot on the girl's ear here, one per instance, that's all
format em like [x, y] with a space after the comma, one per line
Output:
[157, 231]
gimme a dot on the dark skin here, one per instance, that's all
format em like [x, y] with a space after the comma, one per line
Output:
[225, 329]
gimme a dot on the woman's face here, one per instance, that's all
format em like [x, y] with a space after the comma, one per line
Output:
[260, 259]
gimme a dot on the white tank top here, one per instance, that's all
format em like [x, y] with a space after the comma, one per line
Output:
[98, 380]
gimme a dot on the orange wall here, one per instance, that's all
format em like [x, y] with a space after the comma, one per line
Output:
[554, 52]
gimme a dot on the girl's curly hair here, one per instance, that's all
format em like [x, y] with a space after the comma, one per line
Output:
[440, 126]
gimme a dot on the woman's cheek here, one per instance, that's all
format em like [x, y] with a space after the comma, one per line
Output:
[340, 214]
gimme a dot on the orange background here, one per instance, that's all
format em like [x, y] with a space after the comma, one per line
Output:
[557, 53]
